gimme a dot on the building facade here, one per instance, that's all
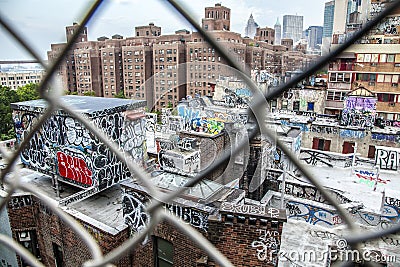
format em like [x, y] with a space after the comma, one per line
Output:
[292, 27]
[13, 80]
[251, 27]
[372, 63]
[134, 67]
[314, 37]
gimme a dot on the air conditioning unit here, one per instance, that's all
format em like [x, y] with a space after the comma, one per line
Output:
[395, 84]
[392, 104]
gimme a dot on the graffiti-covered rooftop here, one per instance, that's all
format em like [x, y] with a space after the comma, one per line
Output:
[84, 104]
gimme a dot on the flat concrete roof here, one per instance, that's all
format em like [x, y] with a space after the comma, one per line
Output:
[85, 104]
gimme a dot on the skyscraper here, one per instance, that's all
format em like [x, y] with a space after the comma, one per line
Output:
[292, 27]
[328, 18]
[251, 27]
[278, 32]
[314, 36]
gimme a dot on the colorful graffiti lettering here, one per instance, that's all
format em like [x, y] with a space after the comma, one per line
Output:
[351, 134]
[209, 126]
[303, 126]
[386, 137]
[74, 168]
[369, 177]
[311, 214]
[244, 92]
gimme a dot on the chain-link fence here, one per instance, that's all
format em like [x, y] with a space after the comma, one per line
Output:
[11, 178]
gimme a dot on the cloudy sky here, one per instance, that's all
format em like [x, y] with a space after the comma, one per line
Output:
[43, 22]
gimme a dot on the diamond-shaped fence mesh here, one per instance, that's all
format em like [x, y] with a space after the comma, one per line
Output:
[11, 180]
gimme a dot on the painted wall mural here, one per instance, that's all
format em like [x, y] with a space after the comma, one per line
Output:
[359, 112]
[64, 147]
[312, 214]
[255, 210]
[345, 133]
[207, 125]
[389, 25]
[74, 167]
[324, 129]
[314, 157]
[134, 211]
[194, 114]
[187, 163]
[391, 210]
[389, 215]
[303, 126]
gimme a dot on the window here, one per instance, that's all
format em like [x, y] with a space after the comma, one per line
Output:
[296, 105]
[29, 241]
[390, 58]
[382, 57]
[310, 106]
[321, 144]
[348, 147]
[385, 97]
[284, 104]
[163, 250]
[58, 255]
[371, 152]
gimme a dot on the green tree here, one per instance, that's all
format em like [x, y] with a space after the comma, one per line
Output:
[7, 96]
[28, 92]
[120, 94]
[89, 93]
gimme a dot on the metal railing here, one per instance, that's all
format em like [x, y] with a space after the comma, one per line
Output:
[9, 175]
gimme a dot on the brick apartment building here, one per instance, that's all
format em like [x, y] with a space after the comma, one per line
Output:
[107, 67]
[373, 62]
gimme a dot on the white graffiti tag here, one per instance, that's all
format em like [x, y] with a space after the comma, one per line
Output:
[267, 245]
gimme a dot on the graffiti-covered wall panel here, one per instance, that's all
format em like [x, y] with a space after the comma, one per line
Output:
[63, 146]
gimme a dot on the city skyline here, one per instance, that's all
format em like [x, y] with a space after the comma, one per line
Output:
[44, 26]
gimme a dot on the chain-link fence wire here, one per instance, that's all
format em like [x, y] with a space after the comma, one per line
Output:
[11, 179]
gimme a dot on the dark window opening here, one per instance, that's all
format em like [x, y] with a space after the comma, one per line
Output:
[371, 152]
[296, 105]
[163, 253]
[321, 144]
[28, 240]
[58, 255]
[348, 147]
